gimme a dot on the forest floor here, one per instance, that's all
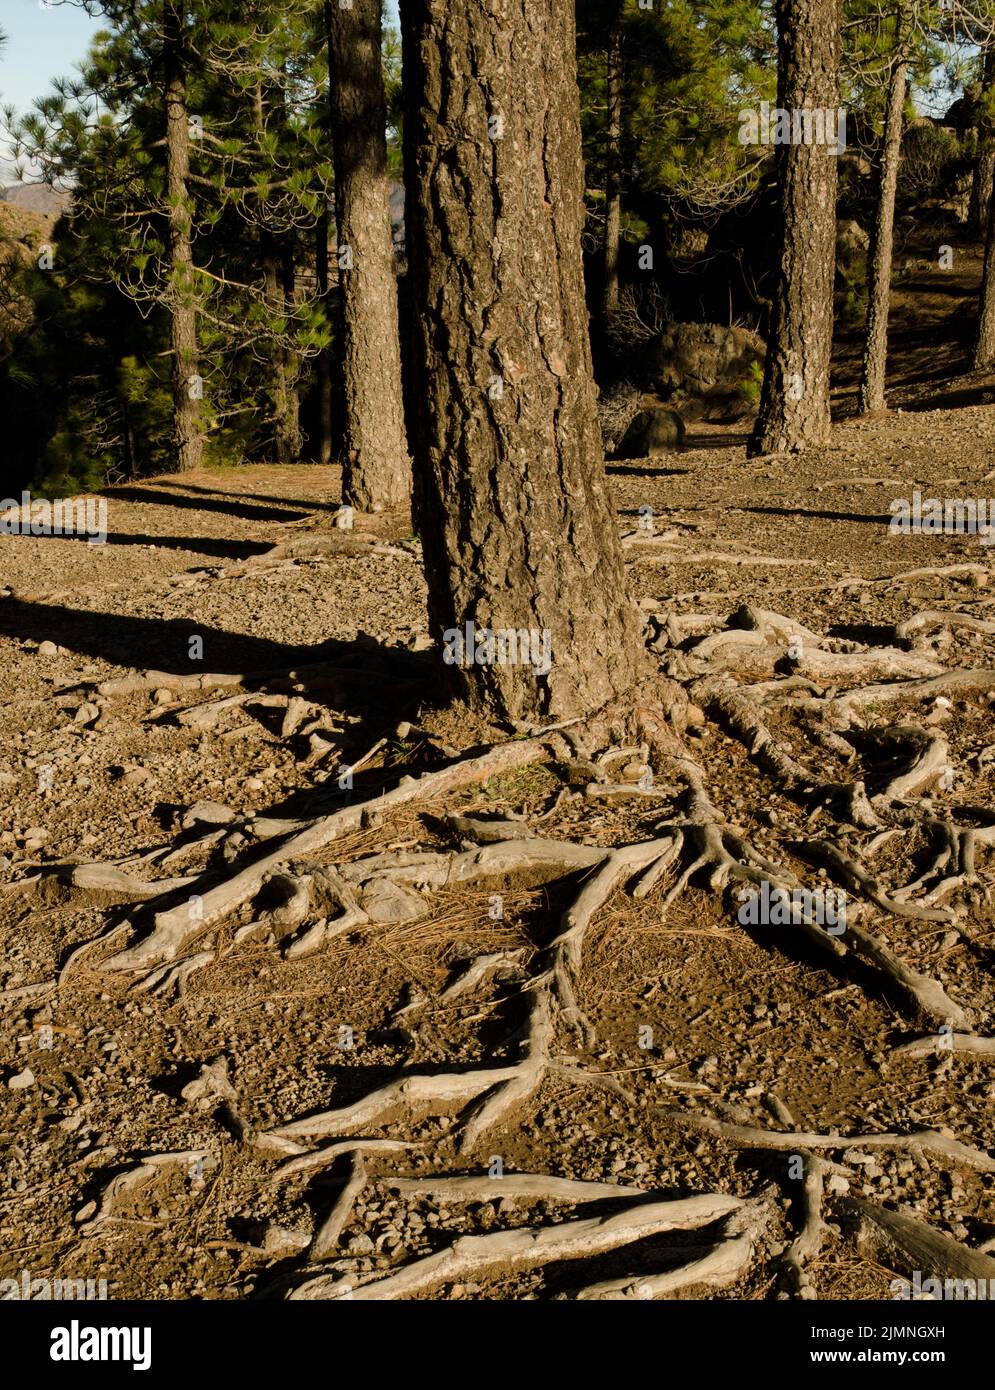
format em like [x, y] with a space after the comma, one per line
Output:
[746, 1026]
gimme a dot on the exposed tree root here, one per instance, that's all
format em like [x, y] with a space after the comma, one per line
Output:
[719, 1266]
[903, 1243]
[807, 1244]
[927, 1142]
[528, 1247]
[326, 1239]
[173, 926]
[303, 904]
[944, 1044]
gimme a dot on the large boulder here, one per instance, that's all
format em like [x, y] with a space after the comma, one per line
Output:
[651, 433]
[695, 360]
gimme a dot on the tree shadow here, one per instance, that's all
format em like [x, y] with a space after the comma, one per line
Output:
[164, 644]
[624, 470]
[248, 511]
[311, 505]
[820, 515]
[197, 545]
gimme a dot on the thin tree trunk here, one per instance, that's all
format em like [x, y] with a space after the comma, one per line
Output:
[613, 169]
[277, 261]
[984, 169]
[376, 469]
[512, 503]
[187, 388]
[277, 367]
[794, 401]
[323, 371]
[872, 381]
[288, 439]
[984, 347]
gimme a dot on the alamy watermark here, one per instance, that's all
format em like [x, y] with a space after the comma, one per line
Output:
[955, 1290]
[471, 645]
[769, 905]
[943, 516]
[65, 516]
[805, 125]
[26, 1288]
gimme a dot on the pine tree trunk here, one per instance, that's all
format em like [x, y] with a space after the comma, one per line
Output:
[981, 190]
[613, 170]
[188, 442]
[983, 179]
[376, 469]
[984, 347]
[794, 402]
[511, 498]
[872, 382]
[288, 425]
[279, 386]
[323, 367]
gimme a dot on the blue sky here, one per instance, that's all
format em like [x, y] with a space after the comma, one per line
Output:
[47, 42]
[42, 43]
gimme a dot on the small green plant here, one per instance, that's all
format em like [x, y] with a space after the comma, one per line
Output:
[749, 390]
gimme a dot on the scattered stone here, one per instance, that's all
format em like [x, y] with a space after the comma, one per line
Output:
[384, 901]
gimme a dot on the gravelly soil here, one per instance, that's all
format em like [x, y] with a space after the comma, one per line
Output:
[735, 1015]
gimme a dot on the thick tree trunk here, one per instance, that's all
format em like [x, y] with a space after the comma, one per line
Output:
[984, 347]
[872, 381]
[323, 367]
[376, 470]
[187, 389]
[613, 170]
[511, 498]
[794, 402]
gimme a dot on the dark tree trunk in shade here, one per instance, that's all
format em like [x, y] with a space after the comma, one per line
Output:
[794, 401]
[188, 442]
[613, 169]
[872, 383]
[376, 469]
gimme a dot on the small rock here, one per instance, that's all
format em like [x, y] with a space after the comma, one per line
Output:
[47, 649]
[210, 1085]
[281, 1240]
[22, 1080]
[207, 813]
[392, 902]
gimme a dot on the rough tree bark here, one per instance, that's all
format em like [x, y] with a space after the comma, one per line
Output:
[278, 281]
[511, 498]
[188, 442]
[983, 179]
[613, 167]
[984, 347]
[794, 402]
[276, 256]
[323, 367]
[873, 371]
[375, 464]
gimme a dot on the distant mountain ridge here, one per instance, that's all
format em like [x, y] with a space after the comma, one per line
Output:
[36, 197]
